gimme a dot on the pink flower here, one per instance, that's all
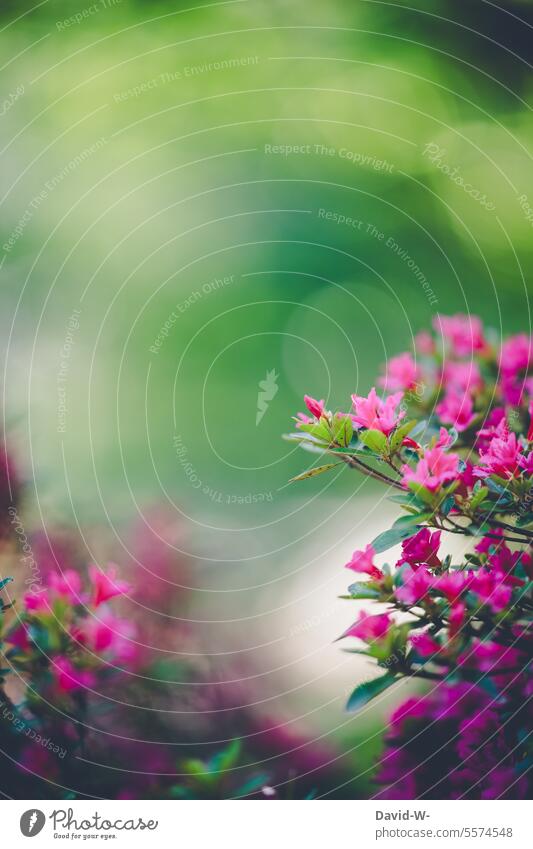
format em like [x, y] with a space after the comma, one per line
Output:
[515, 357]
[516, 354]
[401, 373]
[492, 590]
[503, 455]
[487, 656]
[526, 464]
[424, 343]
[490, 428]
[485, 544]
[303, 419]
[316, 408]
[456, 618]
[445, 438]
[415, 585]
[106, 586]
[423, 547]
[456, 410]
[501, 559]
[433, 470]
[362, 561]
[453, 584]
[19, 637]
[375, 414]
[467, 478]
[370, 628]
[69, 678]
[464, 333]
[462, 377]
[66, 584]
[109, 635]
[37, 602]
[424, 644]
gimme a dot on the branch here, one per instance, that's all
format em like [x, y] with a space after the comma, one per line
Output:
[355, 463]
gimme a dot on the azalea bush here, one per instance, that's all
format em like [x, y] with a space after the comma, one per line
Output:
[104, 688]
[450, 436]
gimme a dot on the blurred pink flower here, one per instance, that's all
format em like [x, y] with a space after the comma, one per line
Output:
[453, 584]
[37, 602]
[106, 586]
[424, 343]
[456, 618]
[401, 373]
[456, 410]
[463, 333]
[491, 589]
[415, 586]
[66, 584]
[424, 644]
[370, 628]
[462, 376]
[107, 634]
[69, 678]
[516, 355]
[490, 425]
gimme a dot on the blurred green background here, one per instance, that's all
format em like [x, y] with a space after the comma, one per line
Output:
[176, 184]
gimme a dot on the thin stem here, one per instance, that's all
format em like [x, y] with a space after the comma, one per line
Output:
[393, 467]
[464, 531]
[515, 530]
[355, 463]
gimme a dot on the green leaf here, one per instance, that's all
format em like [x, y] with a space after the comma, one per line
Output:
[479, 495]
[477, 530]
[421, 492]
[361, 590]
[396, 439]
[304, 437]
[311, 473]
[342, 430]
[393, 536]
[406, 498]
[364, 693]
[446, 505]
[225, 759]
[497, 484]
[374, 439]
[405, 521]
[197, 768]
[525, 520]
[253, 784]
[320, 431]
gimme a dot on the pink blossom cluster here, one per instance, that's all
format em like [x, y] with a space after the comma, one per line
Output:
[453, 441]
